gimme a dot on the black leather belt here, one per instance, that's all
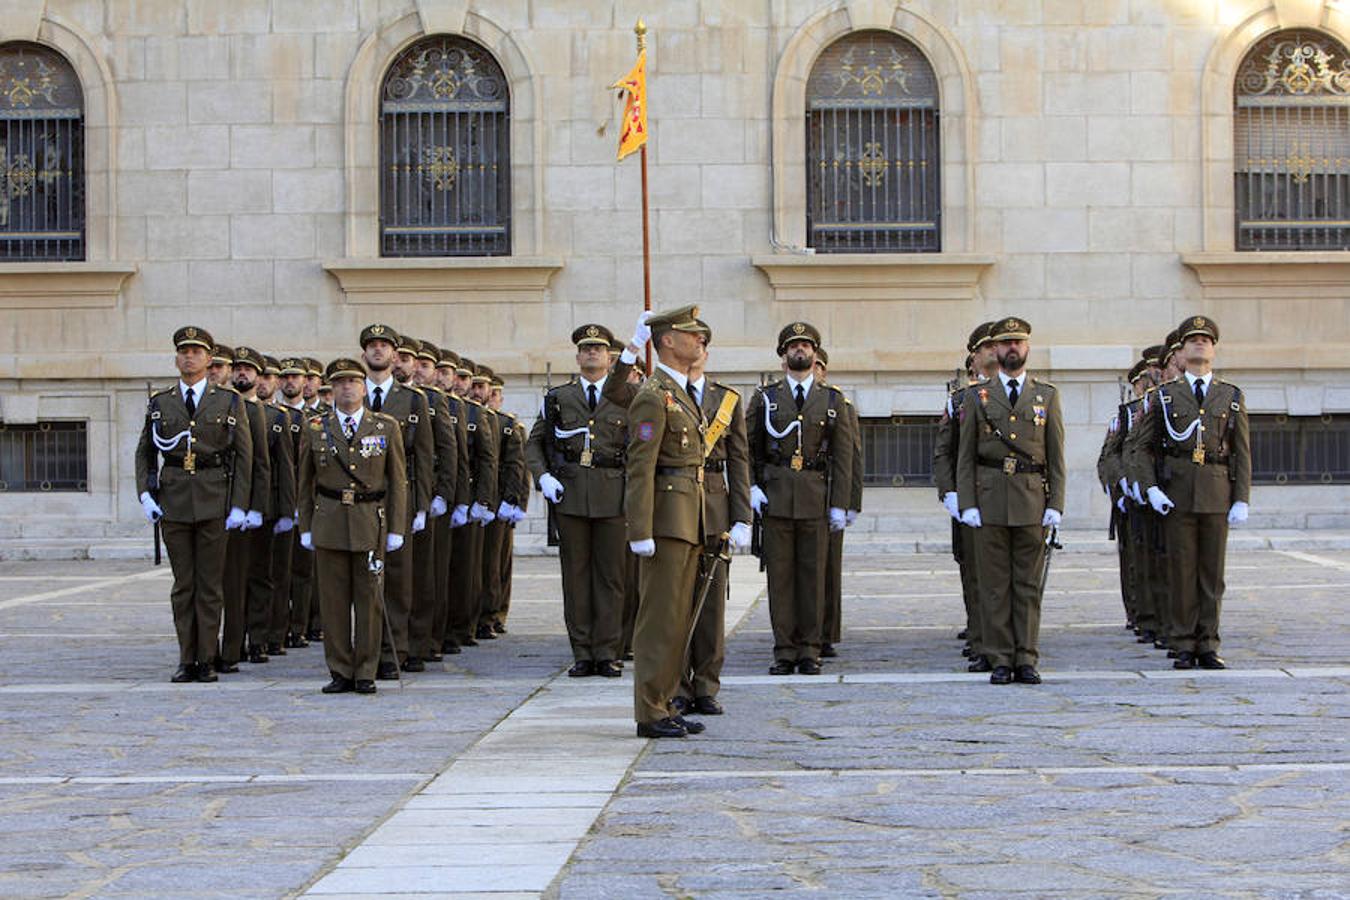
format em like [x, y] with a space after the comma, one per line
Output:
[807, 466]
[597, 462]
[715, 465]
[1211, 458]
[207, 461]
[1012, 464]
[349, 497]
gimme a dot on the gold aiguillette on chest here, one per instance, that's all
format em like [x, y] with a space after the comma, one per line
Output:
[587, 459]
[797, 461]
[1198, 455]
[190, 463]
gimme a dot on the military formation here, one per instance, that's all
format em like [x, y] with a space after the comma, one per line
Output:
[369, 504]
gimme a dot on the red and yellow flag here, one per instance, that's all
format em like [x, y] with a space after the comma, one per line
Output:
[634, 87]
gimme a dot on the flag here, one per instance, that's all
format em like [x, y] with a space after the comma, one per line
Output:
[634, 87]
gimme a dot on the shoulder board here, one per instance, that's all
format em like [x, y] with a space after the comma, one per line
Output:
[164, 393]
[1173, 380]
[1043, 383]
[727, 388]
[847, 402]
[834, 387]
[555, 388]
[383, 417]
[1229, 383]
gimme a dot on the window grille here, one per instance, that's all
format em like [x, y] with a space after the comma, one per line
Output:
[41, 156]
[872, 148]
[445, 164]
[1291, 144]
[1300, 449]
[48, 456]
[898, 451]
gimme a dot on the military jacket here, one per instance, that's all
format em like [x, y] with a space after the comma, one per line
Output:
[803, 461]
[1201, 458]
[664, 493]
[1011, 460]
[1111, 461]
[353, 492]
[281, 462]
[583, 448]
[221, 473]
[445, 445]
[480, 429]
[260, 492]
[513, 478]
[408, 405]
[856, 483]
[947, 443]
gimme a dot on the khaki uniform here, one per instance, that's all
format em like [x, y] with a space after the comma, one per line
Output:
[1201, 458]
[663, 501]
[305, 613]
[467, 550]
[280, 501]
[444, 532]
[803, 474]
[348, 532]
[243, 545]
[283, 544]
[513, 487]
[1010, 545]
[831, 628]
[195, 503]
[1154, 558]
[946, 451]
[432, 572]
[590, 515]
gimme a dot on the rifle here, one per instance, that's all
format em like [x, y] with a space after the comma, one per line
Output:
[551, 538]
[1051, 545]
[152, 473]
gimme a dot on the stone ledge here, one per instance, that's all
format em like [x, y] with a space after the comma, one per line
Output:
[486, 279]
[1260, 275]
[846, 277]
[62, 285]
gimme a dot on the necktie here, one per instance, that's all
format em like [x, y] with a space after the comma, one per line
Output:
[349, 427]
[590, 396]
[801, 397]
[191, 401]
[1199, 392]
[1012, 392]
[377, 401]
[693, 393]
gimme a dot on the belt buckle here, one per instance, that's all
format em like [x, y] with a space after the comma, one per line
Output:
[348, 497]
[797, 461]
[587, 458]
[1198, 455]
[1009, 465]
[190, 463]
[700, 474]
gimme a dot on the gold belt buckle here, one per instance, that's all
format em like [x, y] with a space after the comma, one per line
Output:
[190, 463]
[348, 497]
[797, 461]
[1009, 465]
[1198, 456]
[700, 475]
[587, 458]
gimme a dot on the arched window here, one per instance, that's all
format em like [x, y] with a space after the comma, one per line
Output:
[445, 160]
[1291, 142]
[41, 155]
[872, 166]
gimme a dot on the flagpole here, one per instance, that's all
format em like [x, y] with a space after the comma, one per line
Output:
[641, 31]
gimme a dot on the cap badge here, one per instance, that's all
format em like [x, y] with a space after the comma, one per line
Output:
[693, 314]
[592, 331]
[1198, 321]
[377, 329]
[798, 328]
[190, 332]
[1010, 324]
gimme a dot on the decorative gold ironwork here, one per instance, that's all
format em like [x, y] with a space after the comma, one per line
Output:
[20, 175]
[873, 163]
[33, 77]
[445, 70]
[439, 162]
[872, 74]
[1295, 64]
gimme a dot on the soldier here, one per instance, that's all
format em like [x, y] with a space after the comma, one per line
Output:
[513, 487]
[316, 394]
[831, 629]
[291, 395]
[448, 526]
[575, 453]
[246, 544]
[467, 551]
[353, 492]
[207, 451]
[1193, 460]
[663, 501]
[407, 405]
[1010, 486]
[801, 451]
[283, 485]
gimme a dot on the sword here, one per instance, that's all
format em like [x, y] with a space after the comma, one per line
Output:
[721, 554]
[1051, 545]
[375, 563]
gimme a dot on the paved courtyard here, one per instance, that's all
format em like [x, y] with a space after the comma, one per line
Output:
[894, 774]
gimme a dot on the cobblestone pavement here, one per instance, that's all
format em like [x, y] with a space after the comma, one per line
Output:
[894, 774]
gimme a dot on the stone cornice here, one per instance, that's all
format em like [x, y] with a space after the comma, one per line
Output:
[848, 277]
[1258, 276]
[489, 279]
[62, 285]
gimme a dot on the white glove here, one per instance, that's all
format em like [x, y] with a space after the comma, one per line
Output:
[438, 506]
[642, 332]
[757, 499]
[740, 535]
[1120, 504]
[481, 514]
[460, 516]
[504, 511]
[152, 510]
[949, 501]
[1161, 503]
[1052, 518]
[307, 540]
[850, 517]
[516, 514]
[419, 522]
[235, 519]
[392, 542]
[1237, 514]
[284, 524]
[837, 519]
[971, 517]
[1137, 495]
[1125, 487]
[551, 487]
[252, 520]
[643, 548]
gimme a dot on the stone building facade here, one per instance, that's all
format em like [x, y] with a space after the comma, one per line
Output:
[1085, 154]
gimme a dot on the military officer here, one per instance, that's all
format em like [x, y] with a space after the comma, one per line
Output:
[353, 493]
[801, 451]
[300, 589]
[1010, 487]
[282, 529]
[408, 405]
[1193, 462]
[451, 525]
[513, 487]
[512, 481]
[466, 592]
[663, 502]
[831, 629]
[199, 432]
[575, 453]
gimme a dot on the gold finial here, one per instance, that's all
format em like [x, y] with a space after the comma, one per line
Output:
[640, 29]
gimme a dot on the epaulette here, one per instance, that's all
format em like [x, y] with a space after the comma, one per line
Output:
[164, 393]
[1173, 380]
[729, 389]
[382, 417]
[1043, 383]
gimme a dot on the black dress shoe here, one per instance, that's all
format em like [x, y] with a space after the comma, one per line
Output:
[782, 667]
[691, 727]
[628, 656]
[1160, 643]
[338, 685]
[681, 705]
[365, 686]
[582, 668]
[292, 641]
[1001, 675]
[1211, 660]
[414, 664]
[301, 641]
[967, 650]
[1129, 625]
[256, 654]
[706, 706]
[963, 634]
[450, 648]
[468, 642]
[184, 673]
[435, 656]
[1146, 637]
[608, 668]
[275, 649]
[315, 634]
[828, 651]
[662, 728]
[981, 664]
[485, 633]
[499, 627]
[808, 667]
[1171, 654]
[1185, 660]
[225, 668]
[387, 671]
[1027, 675]
[206, 674]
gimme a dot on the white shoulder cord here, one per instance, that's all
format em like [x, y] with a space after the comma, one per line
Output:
[1179, 437]
[794, 425]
